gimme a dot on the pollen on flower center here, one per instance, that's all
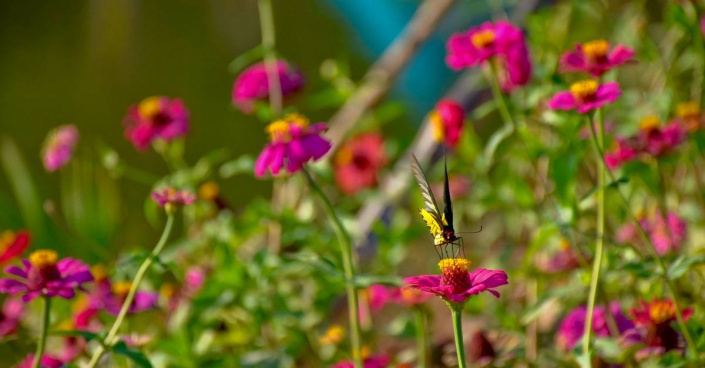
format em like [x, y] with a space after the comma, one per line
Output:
[584, 90]
[280, 130]
[649, 122]
[149, 107]
[43, 258]
[122, 288]
[596, 50]
[454, 273]
[483, 39]
[661, 311]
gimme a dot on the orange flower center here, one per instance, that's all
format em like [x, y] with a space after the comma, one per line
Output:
[209, 191]
[99, 272]
[661, 311]
[596, 50]
[584, 90]
[150, 106]
[649, 122]
[43, 259]
[122, 288]
[454, 273]
[280, 130]
[483, 39]
[688, 110]
[333, 336]
[439, 129]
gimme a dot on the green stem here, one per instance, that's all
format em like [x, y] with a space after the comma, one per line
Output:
[499, 96]
[109, 339]
[457, 314]
[421, 345]
[42, 334]
[599, 246]
[266, 17]
[652, 252]
[348, 269]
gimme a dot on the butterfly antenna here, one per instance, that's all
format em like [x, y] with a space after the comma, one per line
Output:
[472, 232]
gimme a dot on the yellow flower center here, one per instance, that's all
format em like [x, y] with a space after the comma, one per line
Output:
[596, 50]
[344, 156]
[43, 258]
[439, 129]
[167, 290]
[565, 244]
[688, 110]
[99, 272]
[149, 106]
[454, 264]
[333, 336]
[280, 130]
[209, 191]
[649, 122]
[584, 90]
[661, 311]
[122, 288]
[6, 239]
[483, 39]
[80, 303]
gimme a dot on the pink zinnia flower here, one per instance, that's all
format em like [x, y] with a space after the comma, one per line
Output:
[44, 274]
[595, 58]
[172, 196]
[667, 235]
[358, 162]
[378, 296]
[193, 281]
[409, 296]
[624, 150]
[653, 327]
[58, 147]
[375, 361]
[48, 361]
[447, 120]
[12, 244]
[155, 118]
[514, 67]
[658, 140]
[111, 297]
[479, 44]
[253, 84]
[456, 284]
[293, 143]
[585, 96]
[562, 261]
[10, 316]
[572, 327]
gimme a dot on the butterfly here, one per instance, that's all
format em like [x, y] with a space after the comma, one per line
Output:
[439, 223]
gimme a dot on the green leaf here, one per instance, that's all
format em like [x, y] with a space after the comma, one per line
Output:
[683, 264]
[79, 333]
[136, 356]
[246, 58]
[241, 165]
[497, 137]
[363, 281]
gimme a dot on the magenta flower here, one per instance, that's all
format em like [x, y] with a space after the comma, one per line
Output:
[379, 296]
[456, 284]
[253, 84]
[155, 118]
[573, 325]
[658, 141]
[565, 259]
[358, 162]
[174, 197]
[595, 58]
[12, 244]
[293, 143]
[375, 361]
[447, 120]
[514, 68]
[58, 147]
[667, 235]
[44, 274]
[625, 150]
[585, 96]
[480, 44]
[653, 328]
[193, 281]
[111, 297]
[10, 316]
[48, 361]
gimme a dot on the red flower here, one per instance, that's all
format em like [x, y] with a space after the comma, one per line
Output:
[447, 120]
[653, 326]
[154, 118]
[358, 162]
[13, 244]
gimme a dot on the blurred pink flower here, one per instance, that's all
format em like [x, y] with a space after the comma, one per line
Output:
[154, 118]
[565, 259]
[447, 120]
[653, 322]
[595, 58]
[375, 361]
[193, 281]
[624, 150]
[252, 84]
[479, 44]
[44, 274]
[58, 147]
[293, 142]
[408, 296]
[572, 327]
[379, 296]
[456, 284]
[172, 196]
[12, 244]
[358, 162]
[667, 235]
[514, 67]
[585, 96]
[111, 299]
[10, 316]
[48, 361]
[661, 140]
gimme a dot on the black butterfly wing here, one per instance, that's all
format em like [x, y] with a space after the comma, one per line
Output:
[429, 200]
[447, 204]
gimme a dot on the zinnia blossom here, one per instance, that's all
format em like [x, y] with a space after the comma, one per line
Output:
[10, 315]
[623, 151]
[58, 147]
[293, 142]
[155, 118]
[378, 296]
[375, 361]
[514, 68]
[689, 114]
[657, 140]
[653, 327]
[253, 84]
[595, 58]
[44, 274]
[456, 284]
[572, 327]
[111, 299]
[447, 120]
[172, 196]
[333, 336]
[667, 235]
[48, 361]
[358, 161]
[562, 261]
[13, 244]
[585, 96]
[409, 296]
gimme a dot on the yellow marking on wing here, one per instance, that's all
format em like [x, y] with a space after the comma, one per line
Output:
[433, 226]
